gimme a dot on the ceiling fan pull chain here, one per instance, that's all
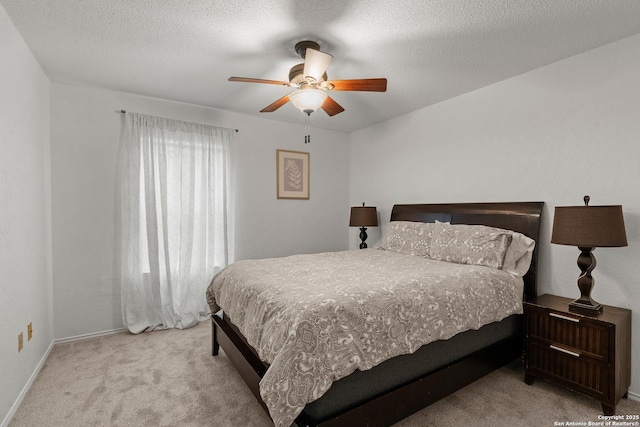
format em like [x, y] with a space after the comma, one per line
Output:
[307, 137]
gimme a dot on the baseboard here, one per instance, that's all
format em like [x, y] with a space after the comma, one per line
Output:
[633, 396]
[27, 386]
[87, 336]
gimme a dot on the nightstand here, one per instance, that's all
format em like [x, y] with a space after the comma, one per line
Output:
[588, 354]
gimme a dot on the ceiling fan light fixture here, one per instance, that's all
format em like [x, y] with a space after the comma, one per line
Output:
[308, 100]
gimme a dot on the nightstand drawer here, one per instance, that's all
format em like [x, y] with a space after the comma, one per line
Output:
[573, 333]
[569, 368]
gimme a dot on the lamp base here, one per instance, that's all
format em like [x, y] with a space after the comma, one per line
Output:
[589, 308]
[585, 305]
[363, 237]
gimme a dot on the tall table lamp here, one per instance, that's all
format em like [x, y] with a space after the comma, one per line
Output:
[588, 227]
[363, 217]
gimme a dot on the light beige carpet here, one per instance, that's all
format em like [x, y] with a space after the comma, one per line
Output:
[169, 378]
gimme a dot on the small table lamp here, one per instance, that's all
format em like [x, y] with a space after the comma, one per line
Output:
[588, 227]
[365, 216]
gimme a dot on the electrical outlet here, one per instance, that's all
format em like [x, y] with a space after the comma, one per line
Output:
[20, 341]
[29, 331]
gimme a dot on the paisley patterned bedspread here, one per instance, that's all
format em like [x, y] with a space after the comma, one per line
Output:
[317, 318]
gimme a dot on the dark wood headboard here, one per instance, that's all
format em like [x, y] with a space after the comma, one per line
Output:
[523, 217]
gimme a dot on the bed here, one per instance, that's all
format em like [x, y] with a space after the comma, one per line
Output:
[370, 388]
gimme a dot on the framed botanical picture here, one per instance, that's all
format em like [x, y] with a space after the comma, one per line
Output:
[293, 174]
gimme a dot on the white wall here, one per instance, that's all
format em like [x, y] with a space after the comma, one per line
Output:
[85, 131]
[554, 134]
[25, 221]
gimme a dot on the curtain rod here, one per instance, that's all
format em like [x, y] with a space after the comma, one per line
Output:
[123, 111]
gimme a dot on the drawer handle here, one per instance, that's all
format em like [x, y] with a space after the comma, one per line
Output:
[559, 316]
[572, 353]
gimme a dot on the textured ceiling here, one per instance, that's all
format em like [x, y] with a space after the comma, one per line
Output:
[430, 51]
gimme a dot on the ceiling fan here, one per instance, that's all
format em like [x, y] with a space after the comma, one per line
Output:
[311, 83]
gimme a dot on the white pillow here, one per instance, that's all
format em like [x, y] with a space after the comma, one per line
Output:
[517, 258]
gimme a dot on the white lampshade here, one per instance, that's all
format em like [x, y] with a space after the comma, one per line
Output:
[316, 63]
[308, 100]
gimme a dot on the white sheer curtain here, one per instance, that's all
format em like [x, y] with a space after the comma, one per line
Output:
[174, 219]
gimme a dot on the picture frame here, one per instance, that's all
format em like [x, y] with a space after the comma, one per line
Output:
[292, 169]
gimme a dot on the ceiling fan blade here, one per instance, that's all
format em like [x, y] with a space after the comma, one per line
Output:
[365, 85]
[316, 63]
[250, 80]
[275, 105]
[331, 107]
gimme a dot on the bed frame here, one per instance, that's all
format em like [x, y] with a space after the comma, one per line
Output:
[407, 399]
